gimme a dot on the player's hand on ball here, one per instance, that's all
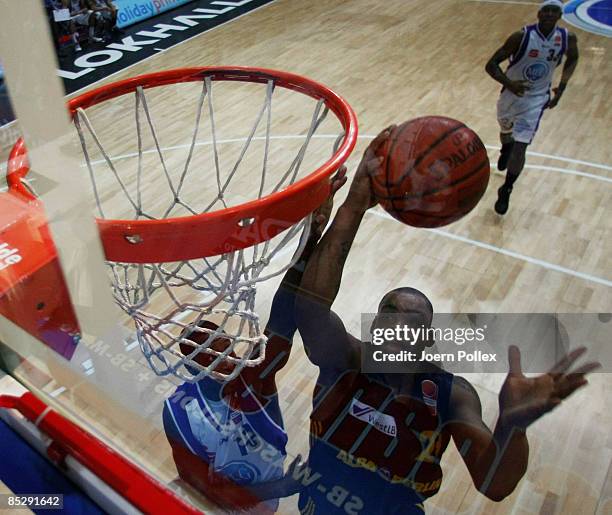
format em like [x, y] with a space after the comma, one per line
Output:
[519, 87]
[523, 400]
[360, 196]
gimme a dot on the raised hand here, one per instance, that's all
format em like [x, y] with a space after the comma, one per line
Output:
[523, 400]
[360, 196]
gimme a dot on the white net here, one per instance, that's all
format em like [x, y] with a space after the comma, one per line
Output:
[173, 303]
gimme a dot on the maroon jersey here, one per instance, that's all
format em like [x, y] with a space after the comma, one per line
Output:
[383, 449]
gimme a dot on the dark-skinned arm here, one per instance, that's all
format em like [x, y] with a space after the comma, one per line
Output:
[497, 461]
[282, 325]
[571, 62]
[505, 450]
[507, 50]
[326, 340]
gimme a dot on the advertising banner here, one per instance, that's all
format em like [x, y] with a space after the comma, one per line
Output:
[132, 11]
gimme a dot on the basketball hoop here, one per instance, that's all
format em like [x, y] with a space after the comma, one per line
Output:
[205, 259]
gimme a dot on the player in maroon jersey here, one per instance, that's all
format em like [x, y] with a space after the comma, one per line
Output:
[377, 439]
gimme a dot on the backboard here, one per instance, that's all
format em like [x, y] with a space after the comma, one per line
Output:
[72, 343]
[481, 264]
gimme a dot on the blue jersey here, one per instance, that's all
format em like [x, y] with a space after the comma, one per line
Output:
[373, 451]
[245, 445]
[237, 440]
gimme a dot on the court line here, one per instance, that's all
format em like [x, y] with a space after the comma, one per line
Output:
[565, 171]
[545, 264]
[560, 158]
[516, 255]
[369, 136]
[487, 246]
[570, 172]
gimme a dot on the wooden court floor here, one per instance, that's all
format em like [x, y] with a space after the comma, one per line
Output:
[398, 59]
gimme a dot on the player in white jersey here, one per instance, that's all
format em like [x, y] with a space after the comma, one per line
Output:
[534, 52]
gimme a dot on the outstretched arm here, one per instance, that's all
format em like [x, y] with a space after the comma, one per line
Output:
[497, 461]
[504, 451]
[324, 271]
[282, 313]
[282, 325]
[568, 69]
[509, 48]
[324, 335]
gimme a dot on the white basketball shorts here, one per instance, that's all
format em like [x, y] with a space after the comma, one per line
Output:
[520, 115]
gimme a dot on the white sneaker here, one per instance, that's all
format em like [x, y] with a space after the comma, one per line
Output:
[97, 39]
[77, 47]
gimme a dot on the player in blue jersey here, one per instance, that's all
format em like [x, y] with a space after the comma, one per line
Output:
[377, 439]
[534, 52]
[228, 439]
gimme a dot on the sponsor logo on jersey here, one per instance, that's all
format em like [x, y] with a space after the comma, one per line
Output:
[534, 53]
[384, 423]
[536, 71]
[236, 417]
[241, 472]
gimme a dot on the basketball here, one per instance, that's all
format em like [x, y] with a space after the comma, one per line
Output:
[434, 172]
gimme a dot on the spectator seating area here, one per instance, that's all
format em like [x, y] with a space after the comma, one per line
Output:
[77, 22]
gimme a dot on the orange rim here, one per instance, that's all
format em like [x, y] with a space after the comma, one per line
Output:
[216, 232]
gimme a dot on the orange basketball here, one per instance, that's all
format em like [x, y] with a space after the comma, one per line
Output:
[435, 170]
